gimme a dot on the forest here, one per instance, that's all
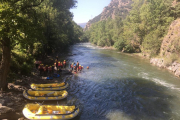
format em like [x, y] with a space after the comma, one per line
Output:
[30, 29]
[141, 31]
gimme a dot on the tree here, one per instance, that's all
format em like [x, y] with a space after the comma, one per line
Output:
[16, 20]
[25, 24]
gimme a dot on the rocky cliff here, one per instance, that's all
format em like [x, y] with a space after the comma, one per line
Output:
[170, 51]
[115, 8]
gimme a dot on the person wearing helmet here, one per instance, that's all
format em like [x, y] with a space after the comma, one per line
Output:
[71, 66]
[64, 64]
[75, 67]
[59, 65]
[79, 67]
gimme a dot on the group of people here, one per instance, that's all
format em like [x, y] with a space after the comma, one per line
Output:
[49, 70]
[76, 67]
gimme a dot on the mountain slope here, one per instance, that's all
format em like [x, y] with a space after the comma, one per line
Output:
[115, 8]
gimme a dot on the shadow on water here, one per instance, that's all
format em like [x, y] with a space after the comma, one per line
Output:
[120, 99]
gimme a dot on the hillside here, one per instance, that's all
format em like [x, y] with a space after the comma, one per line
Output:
[116, 8]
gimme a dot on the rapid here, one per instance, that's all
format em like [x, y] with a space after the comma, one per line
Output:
[121, 87]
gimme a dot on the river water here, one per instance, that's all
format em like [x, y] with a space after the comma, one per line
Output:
[121, 87]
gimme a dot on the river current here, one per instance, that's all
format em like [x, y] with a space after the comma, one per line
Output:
[121, 87]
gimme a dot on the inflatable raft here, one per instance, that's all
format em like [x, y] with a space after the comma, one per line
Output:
[50, 112]
[50, 86]
[45, 95]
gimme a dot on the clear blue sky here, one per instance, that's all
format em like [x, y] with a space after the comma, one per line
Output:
[88, 9]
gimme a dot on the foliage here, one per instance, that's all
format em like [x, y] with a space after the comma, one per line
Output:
[33, 28]
[141, 30]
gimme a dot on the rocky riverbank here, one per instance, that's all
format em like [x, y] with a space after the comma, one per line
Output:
[12, 101]
[160, 62]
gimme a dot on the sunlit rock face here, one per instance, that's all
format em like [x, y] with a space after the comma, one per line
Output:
[115, 8]
[170, 50]
[171, 42]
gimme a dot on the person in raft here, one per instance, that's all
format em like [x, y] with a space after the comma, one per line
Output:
[80, 68]
[71, 66]
[77, 66]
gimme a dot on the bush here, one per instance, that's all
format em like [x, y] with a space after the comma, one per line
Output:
[120, 44]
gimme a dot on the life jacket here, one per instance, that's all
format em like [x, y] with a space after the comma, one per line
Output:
[59, 64]
[44, 68]
[71, 65]
[41, 67]
[79, 67]
[64, 62]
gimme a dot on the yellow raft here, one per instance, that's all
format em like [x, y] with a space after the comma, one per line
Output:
[45, 95]
[50, 86]
[50, 112]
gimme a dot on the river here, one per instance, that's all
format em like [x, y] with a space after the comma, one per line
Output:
[119, 86]
[122, 87]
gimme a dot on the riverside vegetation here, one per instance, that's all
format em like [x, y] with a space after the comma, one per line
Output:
[32, 29]
[139, 26]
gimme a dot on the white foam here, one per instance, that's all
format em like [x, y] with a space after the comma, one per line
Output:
[144, 75]
[163, 83]
[158, 81]
[117, 115]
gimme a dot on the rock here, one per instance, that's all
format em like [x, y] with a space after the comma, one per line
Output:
[10, 104]
[177, 73]
[2, 102]
[4, 109]
[22, 118]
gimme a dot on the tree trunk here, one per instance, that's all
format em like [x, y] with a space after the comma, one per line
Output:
[5, 63]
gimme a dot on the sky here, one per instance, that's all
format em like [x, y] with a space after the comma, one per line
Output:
[88, 9]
